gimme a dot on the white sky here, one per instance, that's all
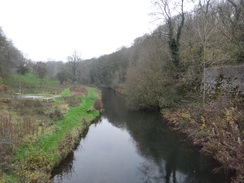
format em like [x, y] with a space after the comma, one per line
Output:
[53, 29]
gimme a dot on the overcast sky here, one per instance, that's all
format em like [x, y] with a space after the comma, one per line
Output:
[53, 29]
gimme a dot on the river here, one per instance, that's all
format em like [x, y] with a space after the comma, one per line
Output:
[134, 147]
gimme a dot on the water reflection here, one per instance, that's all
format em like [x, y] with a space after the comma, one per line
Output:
[150, 173]
[169, 157]
[65, 170]
[135, 147]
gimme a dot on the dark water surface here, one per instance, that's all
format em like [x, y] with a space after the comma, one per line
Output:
[134, 147]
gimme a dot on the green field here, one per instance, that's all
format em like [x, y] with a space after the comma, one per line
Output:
[31, 83]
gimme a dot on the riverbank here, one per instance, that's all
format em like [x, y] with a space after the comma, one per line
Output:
[53, 130]
[134, 146]
[217, 128]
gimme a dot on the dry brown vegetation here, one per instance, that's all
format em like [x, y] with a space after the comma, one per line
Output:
[98, 105]
[71, 101]
[24, 121]
[218, 128]
[20, 119]
[3, 87]
[78, 91]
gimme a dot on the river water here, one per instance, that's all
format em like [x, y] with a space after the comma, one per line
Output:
[134, 147]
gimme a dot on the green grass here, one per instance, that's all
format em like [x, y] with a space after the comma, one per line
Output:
[30, 83]
[32, 159]
[9, 178]
[31, 79]
[65, 93]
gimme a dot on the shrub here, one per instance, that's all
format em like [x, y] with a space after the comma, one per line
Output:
[98, 105]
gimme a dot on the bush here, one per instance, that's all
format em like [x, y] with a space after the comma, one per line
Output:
[98, 105]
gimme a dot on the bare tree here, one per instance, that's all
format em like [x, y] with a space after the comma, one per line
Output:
[174, 17]
[231, 13]
[205, 25]
[73, 61]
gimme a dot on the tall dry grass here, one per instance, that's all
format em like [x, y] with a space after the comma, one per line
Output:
[78, 91]
[19, 120]
[12, 132]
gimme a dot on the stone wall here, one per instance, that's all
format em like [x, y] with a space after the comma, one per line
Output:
[228, 79]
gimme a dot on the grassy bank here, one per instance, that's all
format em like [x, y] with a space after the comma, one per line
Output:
[50, 141]
[217, 128]
[31, 83]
